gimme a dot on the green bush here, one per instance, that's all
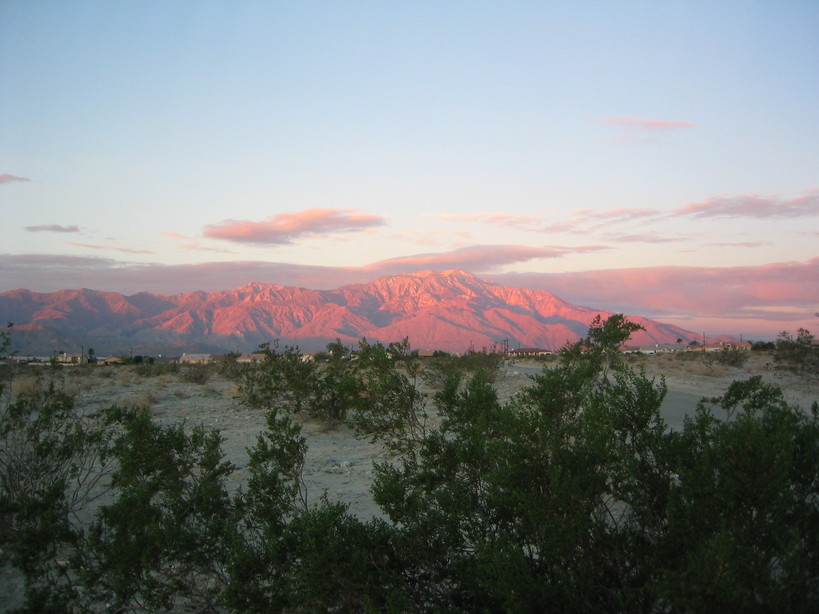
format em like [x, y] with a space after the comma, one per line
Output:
[438, 368]
[732, 357]
[798, 355]
[572, 496]
[196, 373]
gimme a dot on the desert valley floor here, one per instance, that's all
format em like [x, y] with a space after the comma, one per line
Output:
[340, 464]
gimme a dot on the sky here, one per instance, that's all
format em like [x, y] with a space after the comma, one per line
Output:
[655, 158]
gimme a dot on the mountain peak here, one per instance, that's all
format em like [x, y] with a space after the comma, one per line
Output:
[448, 310]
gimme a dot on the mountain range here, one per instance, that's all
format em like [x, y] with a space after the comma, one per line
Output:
[450, 310]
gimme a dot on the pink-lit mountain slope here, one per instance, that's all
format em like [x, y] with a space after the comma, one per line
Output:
[453, 310]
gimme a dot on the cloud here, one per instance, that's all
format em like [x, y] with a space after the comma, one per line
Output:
[581, 221]
[186, 243]
[6, 178]
[753, 206]
[432, 239]
[516, 222]
[786, 291]
[741, 244]
[125, 250]
[587, 220]
[641, 238]
[175, 235]
[474, 258]
[48, 273]
[647, 124]
[638, 129]
[283, 228]
[52, 228]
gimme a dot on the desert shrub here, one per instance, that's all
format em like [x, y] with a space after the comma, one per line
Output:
[732, 357]
[161, 542]
[602, 344]
[332, 389]
[144, 400]
[513, 504]
[25, 385]
[572, 496]
[438, 368]
[51, 470]
[229, 366]
[283, 380]
[576, 497]
[798, 355]
[196, 373]
[762, 346]
[151, 368]
[742, 509]
[387, 405]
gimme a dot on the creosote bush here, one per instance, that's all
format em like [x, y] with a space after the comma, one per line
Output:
[572, 496]
[798, 355]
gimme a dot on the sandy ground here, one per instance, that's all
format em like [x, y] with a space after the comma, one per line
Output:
[340, 464]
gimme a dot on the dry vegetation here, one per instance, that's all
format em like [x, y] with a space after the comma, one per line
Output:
[338, 464]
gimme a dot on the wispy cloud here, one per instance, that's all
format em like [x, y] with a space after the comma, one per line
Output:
[124, 250]
[581, 221]
[475, 257]
[6, 178]
[741, 244]
[639, 129]
[753, 206]
[283, 228]
[432, 239]
[52, 228]
[641, 238]
[185, 242]
[516, 222]
[37, 271]
[587, 220]
[725, 292]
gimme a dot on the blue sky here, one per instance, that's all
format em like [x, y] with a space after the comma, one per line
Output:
[173, 146]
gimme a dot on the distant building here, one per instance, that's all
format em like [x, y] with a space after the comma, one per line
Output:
[723, 345]
[197, 359]
[529, 352]
[251, 358]
[70, 359]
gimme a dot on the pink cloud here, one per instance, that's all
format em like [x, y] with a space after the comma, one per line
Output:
[647, 124]
[283, 228]
[186, 243]
[581, 220]
[753, 206]
[37, 272]
[638, 129]
[52, 228]
[787, 291]
[641, 238]
[741, 244]
[517, 222]
[47, 273]
[431, 239]
[475, 257]
[6, 178]
[124, 250]
[588, 220]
